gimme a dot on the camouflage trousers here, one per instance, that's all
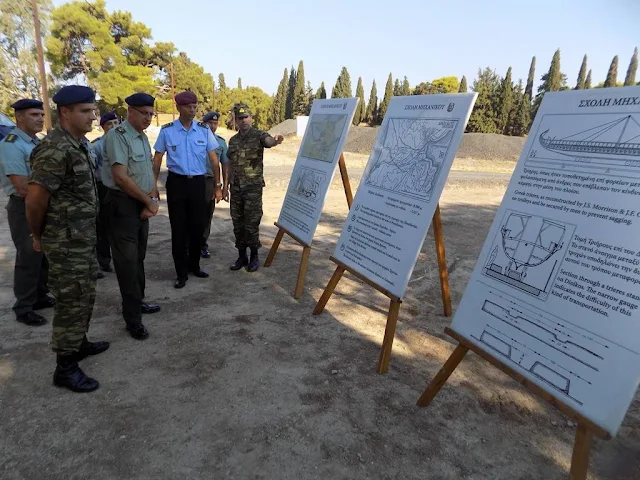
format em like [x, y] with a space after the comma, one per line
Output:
[72, 281]
[246, 213]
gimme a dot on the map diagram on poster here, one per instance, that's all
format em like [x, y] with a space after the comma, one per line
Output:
[308, 183]
[410, 160]
[527, 252]
[323, 137]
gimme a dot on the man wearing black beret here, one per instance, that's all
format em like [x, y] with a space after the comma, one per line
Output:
[128, 174]
[31, 268]
[107, 122]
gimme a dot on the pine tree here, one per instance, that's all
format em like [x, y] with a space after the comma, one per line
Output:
[612, 74]
[397, 88]
[384, 105]
[522, 117]
[358, 117]
[291, 86]
[506, 104]
[483, 116]
[463, 85]
[221, 82]
[582, 75]
[239, 83]
[406, 89]
[276, 113]
[587, 82]
[342, 88]
[372, 106]
[630, 78]
[532, 73]
[300, 97]
[322, 92]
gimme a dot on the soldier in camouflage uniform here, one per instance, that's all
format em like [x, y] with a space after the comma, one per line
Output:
[246, 149]
[61, 206]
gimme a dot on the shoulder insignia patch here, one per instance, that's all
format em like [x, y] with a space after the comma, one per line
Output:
[121, 130]
[202, 124]
[167, 125]
[10, 138]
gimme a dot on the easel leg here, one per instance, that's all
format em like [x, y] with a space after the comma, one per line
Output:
[581, 451]
[442, 262]
[443, 375]
[389, 334]
[331, 286]
[302, 271]
[345, 180]
[274, 248]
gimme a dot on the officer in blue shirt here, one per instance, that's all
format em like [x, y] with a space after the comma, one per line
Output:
[107, 122]
[31, 267]
[211, 119]
[189, 145]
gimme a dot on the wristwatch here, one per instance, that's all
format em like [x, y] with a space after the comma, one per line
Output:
[219, 185]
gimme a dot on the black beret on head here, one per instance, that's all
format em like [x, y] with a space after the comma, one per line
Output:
[211, 116]
[72, 94]
[186, 98]
[27, 103]
[108, 117]
[140, 100]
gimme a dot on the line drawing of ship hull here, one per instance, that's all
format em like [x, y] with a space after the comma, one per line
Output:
[615, 139]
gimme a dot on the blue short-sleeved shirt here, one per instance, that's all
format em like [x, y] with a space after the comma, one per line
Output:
[15, 150]
[96, 146]
[187, 151]
[221, 151]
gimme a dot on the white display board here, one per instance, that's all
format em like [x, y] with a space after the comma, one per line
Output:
[401, 186]
[555, 293]
[320, 150]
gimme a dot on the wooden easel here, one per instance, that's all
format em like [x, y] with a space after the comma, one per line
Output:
[394, 305]
[586, 428]
[306, 249]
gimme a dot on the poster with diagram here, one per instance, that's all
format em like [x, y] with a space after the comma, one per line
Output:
[401, 187]
[322, 144]
[555, 293]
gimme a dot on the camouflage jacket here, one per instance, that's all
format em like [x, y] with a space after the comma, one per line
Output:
[65, 166]
[245, 158]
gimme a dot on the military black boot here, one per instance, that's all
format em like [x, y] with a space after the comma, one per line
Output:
[254, 262]
[242, 260]
[90, 348]
[69, 375]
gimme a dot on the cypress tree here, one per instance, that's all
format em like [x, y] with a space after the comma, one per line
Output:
[372, 106]
[322, 92]
[406, 89]
[239, 83]
[612, 74]
[310, 98]
[505, 104]
[552, 81]
[582, 75]
[221, 83]
[463, 85]
[358, 117]
[300, 98]
[384, 105]
[587, 82]
[276, 113]
[291, 86]
[532, 73]
[397, 88]
[630, 78]
[522, 116]
[342, 88]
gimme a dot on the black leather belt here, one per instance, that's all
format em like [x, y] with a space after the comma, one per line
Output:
[185, 176]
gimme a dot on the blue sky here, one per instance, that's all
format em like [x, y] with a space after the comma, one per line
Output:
[256, 40]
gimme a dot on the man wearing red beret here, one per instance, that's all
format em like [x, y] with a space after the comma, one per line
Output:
[188, 145]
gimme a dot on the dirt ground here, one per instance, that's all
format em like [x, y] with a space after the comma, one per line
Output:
[239, 381]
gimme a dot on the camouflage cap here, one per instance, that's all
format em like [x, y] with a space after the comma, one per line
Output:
[242, 110]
